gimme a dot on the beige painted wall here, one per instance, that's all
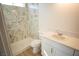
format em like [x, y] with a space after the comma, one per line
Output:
[59, 17]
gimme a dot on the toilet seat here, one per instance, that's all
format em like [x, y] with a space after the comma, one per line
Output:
[35, 43]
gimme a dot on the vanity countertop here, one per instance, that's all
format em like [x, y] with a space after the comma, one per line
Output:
[66, 40]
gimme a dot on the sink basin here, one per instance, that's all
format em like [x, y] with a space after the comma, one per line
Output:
[59, 37]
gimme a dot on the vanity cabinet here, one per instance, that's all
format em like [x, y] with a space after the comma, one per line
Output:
[52, 48]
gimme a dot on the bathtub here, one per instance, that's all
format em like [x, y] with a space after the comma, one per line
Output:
[20, 46]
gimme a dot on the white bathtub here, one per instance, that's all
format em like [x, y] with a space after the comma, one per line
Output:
[20, 46]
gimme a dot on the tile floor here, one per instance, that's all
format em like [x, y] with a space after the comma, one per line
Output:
[29, 52]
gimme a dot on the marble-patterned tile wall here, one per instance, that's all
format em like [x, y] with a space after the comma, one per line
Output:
[16, 22]
[33, 10]
[21, 22]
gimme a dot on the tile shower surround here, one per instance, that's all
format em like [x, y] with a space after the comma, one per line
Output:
[19, 25]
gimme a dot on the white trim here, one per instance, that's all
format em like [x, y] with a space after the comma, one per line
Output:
[44, 53]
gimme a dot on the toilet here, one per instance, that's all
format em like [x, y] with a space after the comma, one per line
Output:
[36, 46]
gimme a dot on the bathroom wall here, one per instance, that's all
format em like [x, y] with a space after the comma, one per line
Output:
[4, 45]
[62, 18]
[21, 22]
[16, 22]
[44, 17]
[33, 23]
[2, 51]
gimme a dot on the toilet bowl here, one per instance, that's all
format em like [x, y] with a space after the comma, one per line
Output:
[36, 46]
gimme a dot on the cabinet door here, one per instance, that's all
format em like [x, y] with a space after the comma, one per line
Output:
[47, 49]
[76, 53]
[61, 53]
